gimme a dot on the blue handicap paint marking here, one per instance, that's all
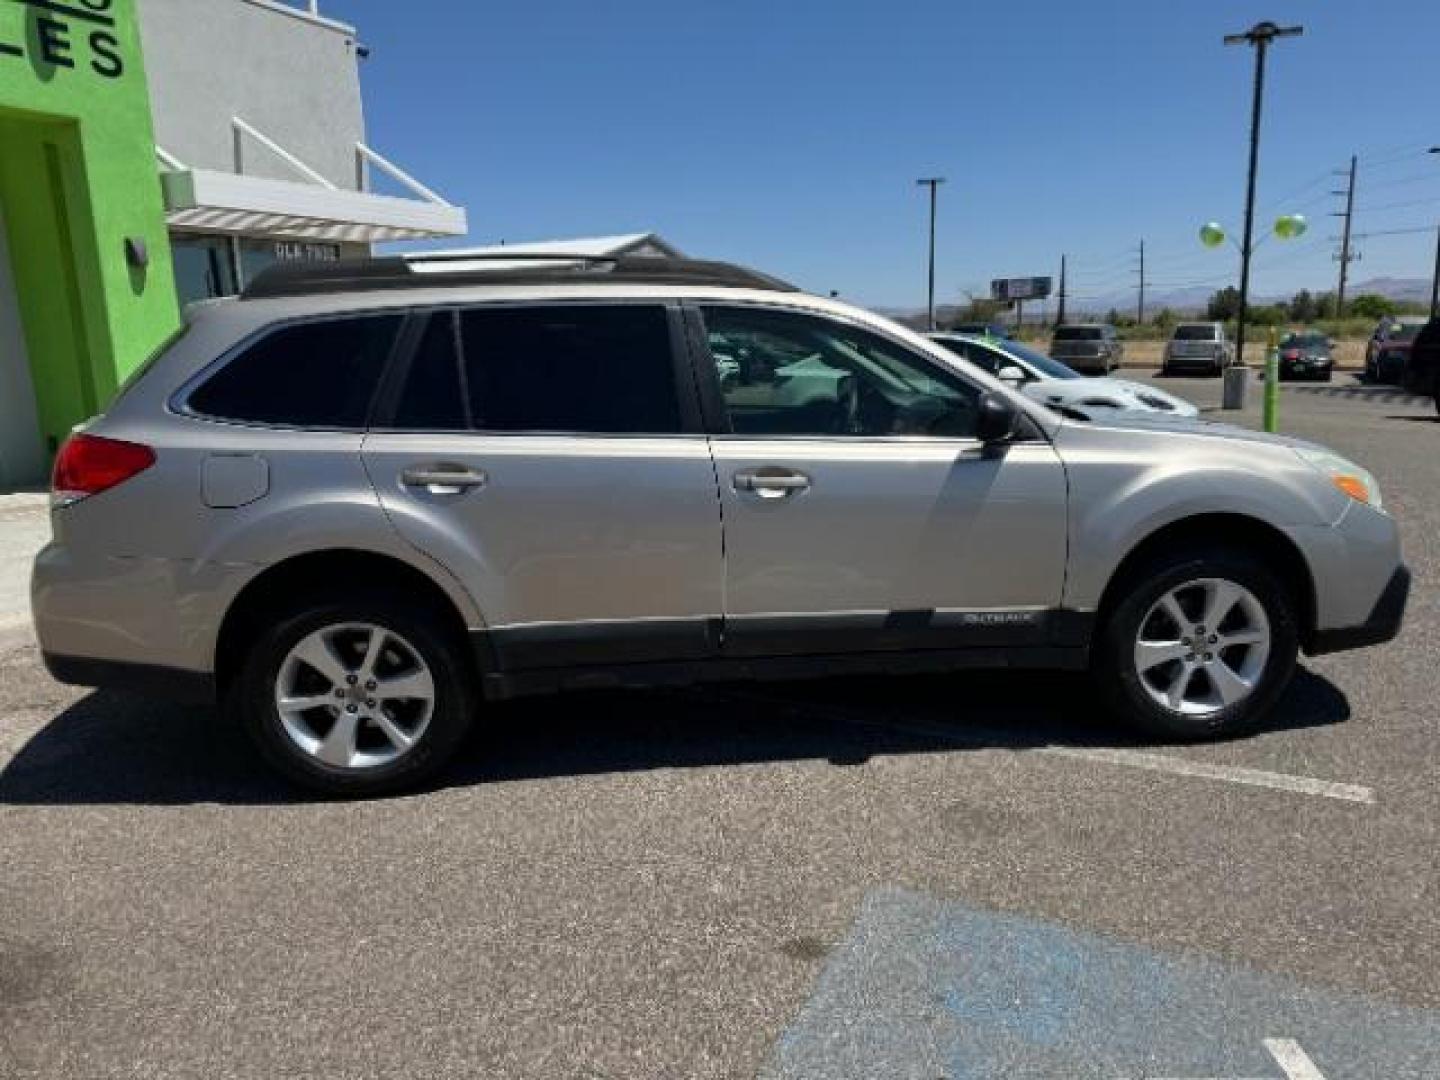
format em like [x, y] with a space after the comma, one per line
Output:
[929, 989]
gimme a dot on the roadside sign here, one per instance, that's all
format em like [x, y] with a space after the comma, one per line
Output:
[1008, 290]
[923, 988]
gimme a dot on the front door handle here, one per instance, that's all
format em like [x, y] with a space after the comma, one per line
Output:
[771, 482]
[444, 479]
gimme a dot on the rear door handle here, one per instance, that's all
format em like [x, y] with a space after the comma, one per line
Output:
[771, 482]
[444, 479]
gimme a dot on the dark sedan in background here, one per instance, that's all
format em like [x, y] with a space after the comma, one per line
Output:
[1306, 354]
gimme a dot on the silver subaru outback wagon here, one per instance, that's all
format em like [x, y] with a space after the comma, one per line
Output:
[363, 499]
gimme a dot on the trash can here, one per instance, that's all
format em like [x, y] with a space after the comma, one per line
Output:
[1236, 379]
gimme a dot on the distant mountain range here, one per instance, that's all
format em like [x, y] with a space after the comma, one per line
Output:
[1189, 301]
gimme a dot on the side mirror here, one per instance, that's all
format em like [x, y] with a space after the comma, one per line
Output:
[1011, 374]
[998, 419]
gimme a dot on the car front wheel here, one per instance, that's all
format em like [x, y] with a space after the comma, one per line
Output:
[355, 696]
[1198, 645]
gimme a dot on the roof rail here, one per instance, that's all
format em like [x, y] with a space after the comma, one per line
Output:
[404, 272]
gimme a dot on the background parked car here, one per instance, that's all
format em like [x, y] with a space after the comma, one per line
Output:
[1046, 379]
[1422, 373]
[1198, 347]
[1090, 348]
[1306, 354]
[1389, 349]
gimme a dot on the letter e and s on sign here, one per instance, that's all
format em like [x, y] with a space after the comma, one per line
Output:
[71, 34]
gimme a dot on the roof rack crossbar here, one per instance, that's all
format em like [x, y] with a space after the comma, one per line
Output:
[400, 272]
[496, 256]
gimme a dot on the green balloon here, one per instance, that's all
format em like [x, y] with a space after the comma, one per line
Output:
[1289, 226]
[1211, 234]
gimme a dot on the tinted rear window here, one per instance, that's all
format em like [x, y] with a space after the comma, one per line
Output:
[1195, 333]
[1078, 333]
[565, 368]
[314, 374]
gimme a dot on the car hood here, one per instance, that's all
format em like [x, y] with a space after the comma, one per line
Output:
[1161, 422]
[1096, 397]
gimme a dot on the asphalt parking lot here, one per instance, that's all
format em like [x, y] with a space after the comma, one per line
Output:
[962, 877]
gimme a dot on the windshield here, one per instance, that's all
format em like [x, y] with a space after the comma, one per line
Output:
[1045, 365]
[1195, 333]
[1305, 340]
[1405, 331]
[1078, 333]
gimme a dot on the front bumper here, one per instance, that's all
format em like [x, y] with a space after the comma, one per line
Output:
[1305, 367]
[1382, 625]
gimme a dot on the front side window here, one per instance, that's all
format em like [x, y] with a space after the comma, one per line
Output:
[983, 358]
[790, 373]
[310, 375]
[589, 369]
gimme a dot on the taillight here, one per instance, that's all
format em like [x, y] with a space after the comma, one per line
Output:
[90, 464]
[1293, 354]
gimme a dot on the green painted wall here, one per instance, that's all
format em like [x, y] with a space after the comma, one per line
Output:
[78, 177]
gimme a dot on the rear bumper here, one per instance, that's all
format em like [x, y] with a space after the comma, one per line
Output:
[155, 613]
[1382, 625]
[174, 684]
[1193, 363]
[1088, 363]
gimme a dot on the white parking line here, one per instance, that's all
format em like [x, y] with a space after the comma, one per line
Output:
[1287, 1054]
[1234, 774]
[1293, 1060]
[1133, 759]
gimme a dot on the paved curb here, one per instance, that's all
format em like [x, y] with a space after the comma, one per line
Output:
[21, 501]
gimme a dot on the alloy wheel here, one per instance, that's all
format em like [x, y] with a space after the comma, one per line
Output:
[354, 695]
[1203, 646]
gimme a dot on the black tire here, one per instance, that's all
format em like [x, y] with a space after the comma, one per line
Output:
[251, 698]
[1114, 669]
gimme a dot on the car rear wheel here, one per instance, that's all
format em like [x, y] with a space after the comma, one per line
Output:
[1200, 644]
[355, 696]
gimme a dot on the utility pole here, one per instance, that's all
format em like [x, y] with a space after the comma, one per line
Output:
[932, 182]
[1259, 36]
[1140, 307]
[1345, 256]
[1060, 315]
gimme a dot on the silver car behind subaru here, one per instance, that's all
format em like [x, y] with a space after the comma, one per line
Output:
[359, 502]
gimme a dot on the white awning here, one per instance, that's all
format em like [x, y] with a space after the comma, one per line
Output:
[212, 201]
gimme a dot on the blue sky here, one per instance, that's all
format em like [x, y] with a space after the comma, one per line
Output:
[789, 134]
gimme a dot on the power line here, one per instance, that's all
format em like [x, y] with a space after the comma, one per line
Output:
[1418, 178]
[1397, 205]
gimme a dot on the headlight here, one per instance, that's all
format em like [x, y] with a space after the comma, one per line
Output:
[1350, 478]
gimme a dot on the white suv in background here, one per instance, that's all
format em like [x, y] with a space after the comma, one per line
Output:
[1199, 348]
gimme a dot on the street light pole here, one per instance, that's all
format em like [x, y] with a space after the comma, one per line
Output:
[1260, 36]
[932, 182]
[1435, 281]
